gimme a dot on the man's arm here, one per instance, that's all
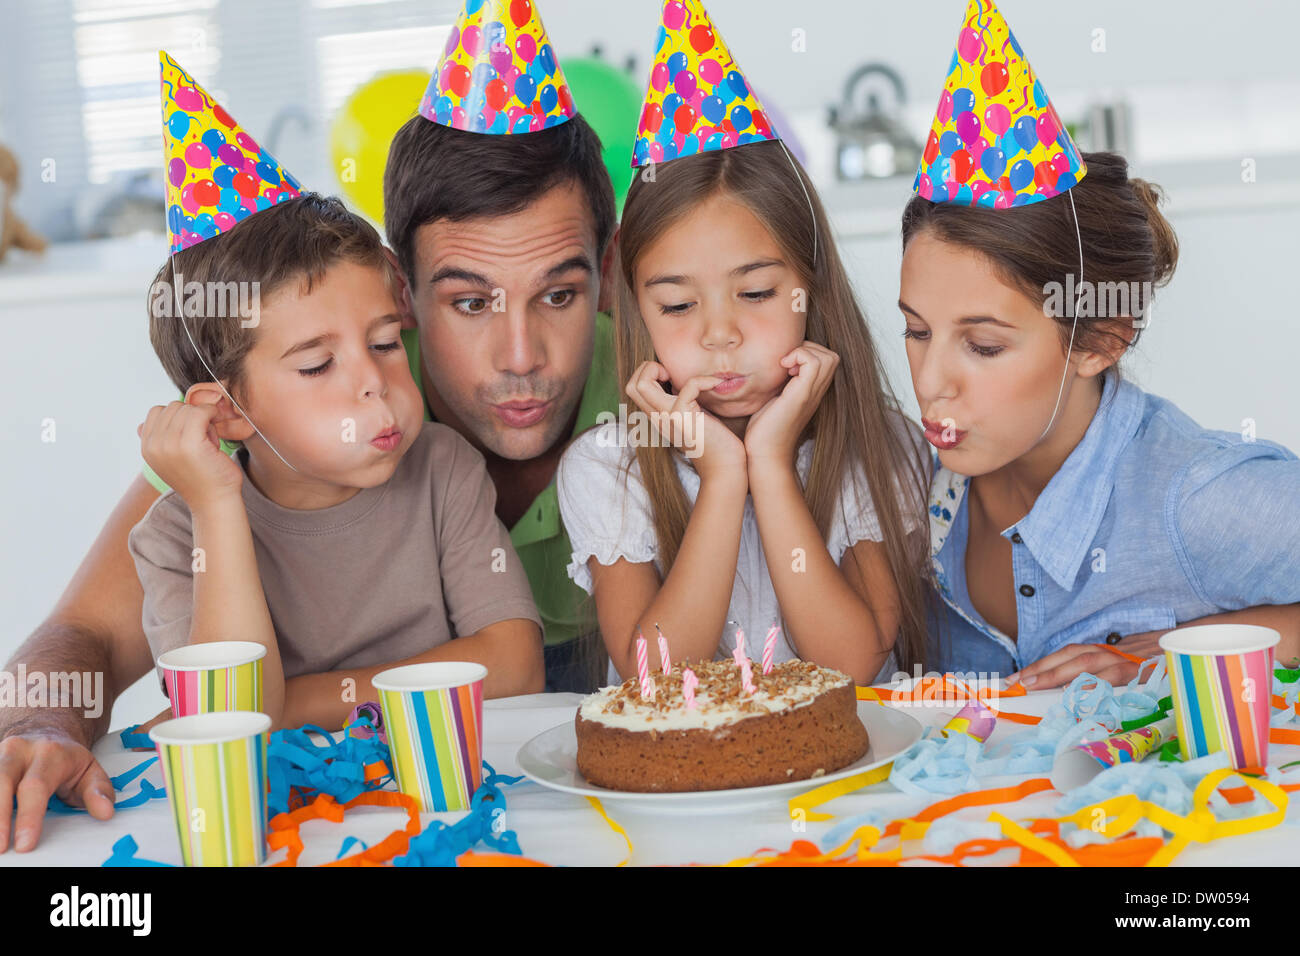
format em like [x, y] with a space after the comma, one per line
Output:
[96, 627]
[511, 650]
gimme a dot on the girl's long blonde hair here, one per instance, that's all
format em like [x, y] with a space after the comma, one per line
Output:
[858, 419]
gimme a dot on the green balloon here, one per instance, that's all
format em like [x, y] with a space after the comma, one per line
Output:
[608, 100]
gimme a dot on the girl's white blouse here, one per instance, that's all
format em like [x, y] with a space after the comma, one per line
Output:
[606, 512]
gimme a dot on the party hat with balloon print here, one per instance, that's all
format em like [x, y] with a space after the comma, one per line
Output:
[698, 99]
[498, 73]
[216, 173]
[996, 140]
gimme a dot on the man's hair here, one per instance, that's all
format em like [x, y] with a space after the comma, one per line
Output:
[435, 172]
[299, 239]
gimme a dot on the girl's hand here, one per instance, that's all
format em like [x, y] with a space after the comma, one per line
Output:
[773, 433]
[180, 443]
[710, 445]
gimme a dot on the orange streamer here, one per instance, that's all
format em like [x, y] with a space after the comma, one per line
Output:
[285, 827]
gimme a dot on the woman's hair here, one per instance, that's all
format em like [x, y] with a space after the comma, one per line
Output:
[1125, 240]
[858, 420]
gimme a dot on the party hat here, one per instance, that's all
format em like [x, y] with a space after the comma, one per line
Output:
[216, 173]
[697, 100]
[996, 140]
[498, 73]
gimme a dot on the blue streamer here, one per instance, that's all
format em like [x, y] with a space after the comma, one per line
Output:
[1089, 709]
[131, 739]
[349, 843]
[124, 854]
[440, 843]
[1169, 785]
[846, 827]
[296, 761]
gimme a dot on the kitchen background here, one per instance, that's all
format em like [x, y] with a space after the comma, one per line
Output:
[1204, 98]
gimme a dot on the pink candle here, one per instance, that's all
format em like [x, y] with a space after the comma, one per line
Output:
[689, 683]
[643, 669]
[742, 661]
[665, 662]
[769, 648]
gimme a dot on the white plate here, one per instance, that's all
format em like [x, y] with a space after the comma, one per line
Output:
[550, 759]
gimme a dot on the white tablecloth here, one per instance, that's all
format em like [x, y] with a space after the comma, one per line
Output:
[563, 829]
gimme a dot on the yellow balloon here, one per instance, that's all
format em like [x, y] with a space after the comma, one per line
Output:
[362, 130]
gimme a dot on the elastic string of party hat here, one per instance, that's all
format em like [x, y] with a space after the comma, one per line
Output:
[180, 312]
[811, 212]
[1077, 293]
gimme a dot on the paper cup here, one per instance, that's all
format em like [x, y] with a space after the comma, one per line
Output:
[1221, 676]
[214, 766]
[212, 677]
[1078, 765]
[433, 716]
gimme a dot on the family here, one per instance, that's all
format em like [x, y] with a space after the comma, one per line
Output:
[415, 453]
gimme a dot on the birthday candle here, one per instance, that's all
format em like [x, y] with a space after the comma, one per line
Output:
[742, 661]
[665, 662]
[769, 648]
[643, 669]
[689, 683]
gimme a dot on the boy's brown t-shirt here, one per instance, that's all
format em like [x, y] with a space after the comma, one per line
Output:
[393, 571]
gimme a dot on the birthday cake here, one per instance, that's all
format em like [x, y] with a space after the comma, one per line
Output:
[801, 721]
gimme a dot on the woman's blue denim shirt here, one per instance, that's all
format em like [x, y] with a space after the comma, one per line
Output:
[1152, 521]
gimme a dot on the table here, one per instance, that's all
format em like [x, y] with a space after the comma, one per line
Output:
[563, 829]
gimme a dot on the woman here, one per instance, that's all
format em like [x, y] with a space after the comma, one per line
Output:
[1069, 507]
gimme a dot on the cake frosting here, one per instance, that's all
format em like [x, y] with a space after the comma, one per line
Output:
[799, 722]
[719, 698]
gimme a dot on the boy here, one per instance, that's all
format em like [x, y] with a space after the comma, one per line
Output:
[346, 534]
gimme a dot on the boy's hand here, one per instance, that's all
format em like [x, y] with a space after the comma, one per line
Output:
[180, 443]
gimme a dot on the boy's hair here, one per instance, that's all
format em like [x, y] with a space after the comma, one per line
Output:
[435, 172]
[298, 239]
[858, 420]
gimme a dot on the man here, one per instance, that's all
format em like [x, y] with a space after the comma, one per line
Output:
[502, 239]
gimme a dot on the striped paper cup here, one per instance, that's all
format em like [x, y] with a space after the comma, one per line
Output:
[220, 675]
[1221, 677]
[433, 716]
[214, 766]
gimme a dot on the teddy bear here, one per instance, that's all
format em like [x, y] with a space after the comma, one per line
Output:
[14, 233]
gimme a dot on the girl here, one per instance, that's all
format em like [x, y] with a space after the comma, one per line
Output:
[1120, 519]
[794, 483]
